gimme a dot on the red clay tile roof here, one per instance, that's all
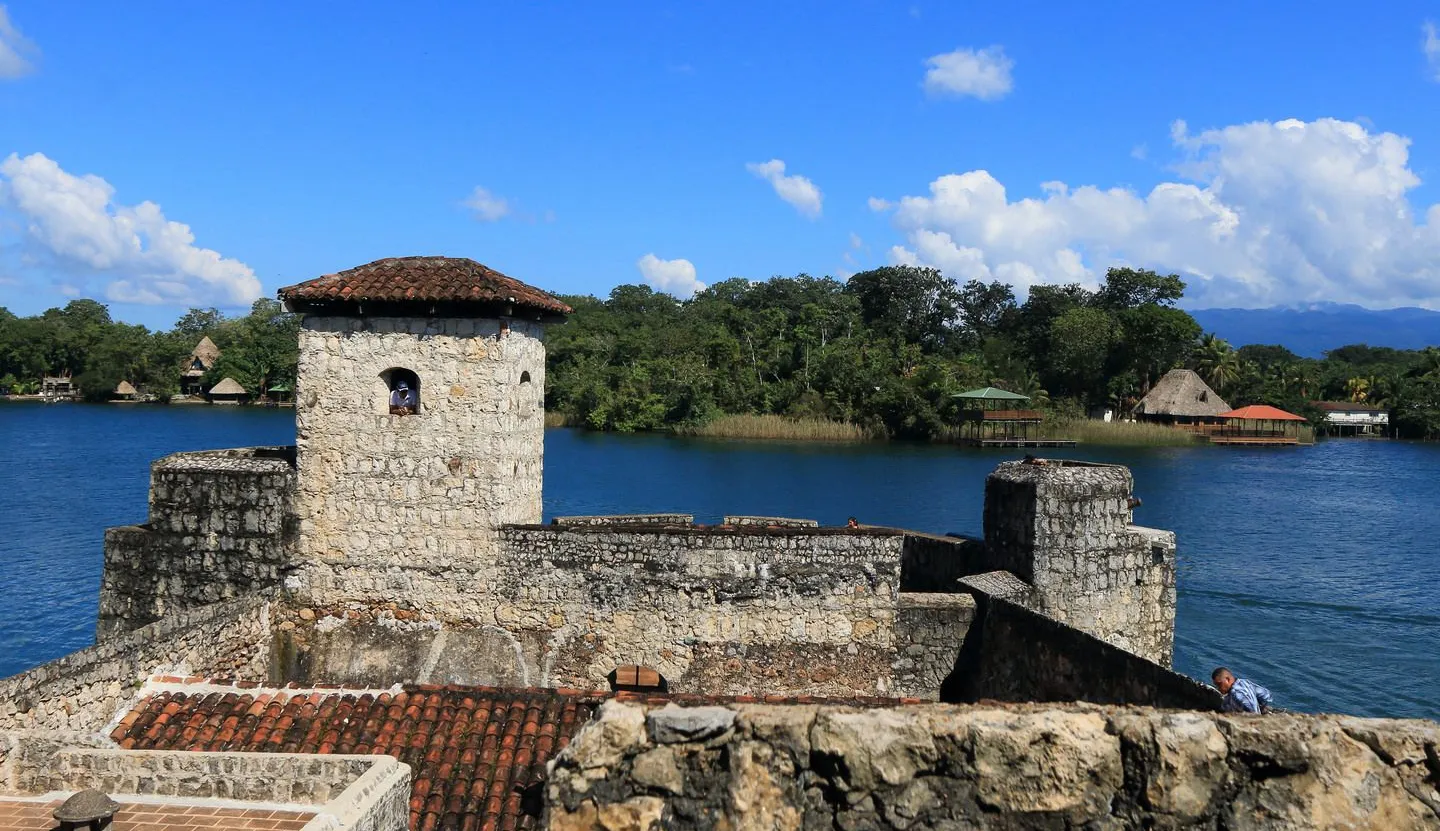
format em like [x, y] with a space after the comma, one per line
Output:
[424, 280]
[1263, 412]
[477, 754]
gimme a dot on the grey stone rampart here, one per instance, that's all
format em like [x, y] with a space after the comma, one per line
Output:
[929, 631]
[741, 610]
[1004, 585]
[1012, 653]
[221, 525]
[406, 507]
[624, 519]
[768, 521]
[1065, 528]
[933, 563]
[83, 690]
[1005, 767]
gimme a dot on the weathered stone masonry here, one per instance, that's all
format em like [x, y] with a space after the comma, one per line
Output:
[729, 609]
[981, 767]
[1065, 528]
[424, 493]
[222, 525]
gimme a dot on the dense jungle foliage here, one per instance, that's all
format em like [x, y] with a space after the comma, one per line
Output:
[260, 350]
[885, 351]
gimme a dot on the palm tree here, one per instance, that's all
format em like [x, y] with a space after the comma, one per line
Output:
[1358, 389]
[1217, 362]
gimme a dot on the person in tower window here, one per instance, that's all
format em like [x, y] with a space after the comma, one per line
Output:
[1241, 694]
[403, 400]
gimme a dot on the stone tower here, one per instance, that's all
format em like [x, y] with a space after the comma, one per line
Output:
[1065, 528]
[400, 506]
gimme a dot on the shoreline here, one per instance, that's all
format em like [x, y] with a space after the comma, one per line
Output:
[772, 428]
[174, 402]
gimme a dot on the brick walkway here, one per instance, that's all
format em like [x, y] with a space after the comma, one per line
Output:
[35, 815]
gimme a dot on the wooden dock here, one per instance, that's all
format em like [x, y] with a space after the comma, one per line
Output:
[1256, 441]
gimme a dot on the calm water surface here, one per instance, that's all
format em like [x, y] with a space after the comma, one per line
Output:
[1313, 570]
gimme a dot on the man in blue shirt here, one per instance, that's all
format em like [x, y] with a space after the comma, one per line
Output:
[1241, 695]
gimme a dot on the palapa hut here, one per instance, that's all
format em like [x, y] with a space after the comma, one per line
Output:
[124, 391]
[1258, 424]
[228, 391]
[996, 417]
[1181, 397]
[202, 357]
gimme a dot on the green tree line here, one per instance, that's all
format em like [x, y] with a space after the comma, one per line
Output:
[260, 349]
[888, 348]
[885, 350]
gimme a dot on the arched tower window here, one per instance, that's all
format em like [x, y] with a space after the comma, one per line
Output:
[525, 377]
[402, 390]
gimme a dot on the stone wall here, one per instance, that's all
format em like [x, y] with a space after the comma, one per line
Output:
[221, 525]
[1001, 767]
[83, 690]
[354, 793]
[1065, 528]
[932, 563]
[1013, 653]
[740, 610]
[929, 632]
[395, 506]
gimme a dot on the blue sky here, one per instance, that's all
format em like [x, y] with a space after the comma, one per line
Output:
[1025, 142]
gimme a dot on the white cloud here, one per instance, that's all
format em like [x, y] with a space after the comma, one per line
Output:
[1431, 47]
[983, 73]
[486, 206]
[16, 51]
[1284, 212]
[855, 241]
[147, 258]
[675, 277]
[797, 190]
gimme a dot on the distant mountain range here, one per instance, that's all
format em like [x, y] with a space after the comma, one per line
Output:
[1310, 330]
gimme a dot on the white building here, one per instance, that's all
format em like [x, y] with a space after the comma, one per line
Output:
[1343, 418]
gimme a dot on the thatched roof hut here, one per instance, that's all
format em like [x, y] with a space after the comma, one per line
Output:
[1181, 395]
[206, 351]
[125, 389]
[228, 391]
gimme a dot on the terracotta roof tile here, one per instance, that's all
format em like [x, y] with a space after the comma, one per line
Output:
[476, 753]
[424, 280]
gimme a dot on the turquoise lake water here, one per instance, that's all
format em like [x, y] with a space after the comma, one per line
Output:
[1315, 571]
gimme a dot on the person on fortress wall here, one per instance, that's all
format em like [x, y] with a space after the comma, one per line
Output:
[402, 400]
[852, 522]
[1241, 695]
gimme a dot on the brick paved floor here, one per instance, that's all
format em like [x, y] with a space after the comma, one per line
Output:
[35, 815]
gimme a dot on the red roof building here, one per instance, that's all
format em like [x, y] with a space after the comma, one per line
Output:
[1257, 425]
[1262, 412]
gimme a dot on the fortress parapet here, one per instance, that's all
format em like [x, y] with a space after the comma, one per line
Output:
[1065, 528]
[222, 524]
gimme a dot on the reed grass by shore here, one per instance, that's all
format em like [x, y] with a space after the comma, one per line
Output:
[778, 427]
[1117, 433]
[559, 420]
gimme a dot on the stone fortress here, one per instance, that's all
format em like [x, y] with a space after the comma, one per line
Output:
[372, 591]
